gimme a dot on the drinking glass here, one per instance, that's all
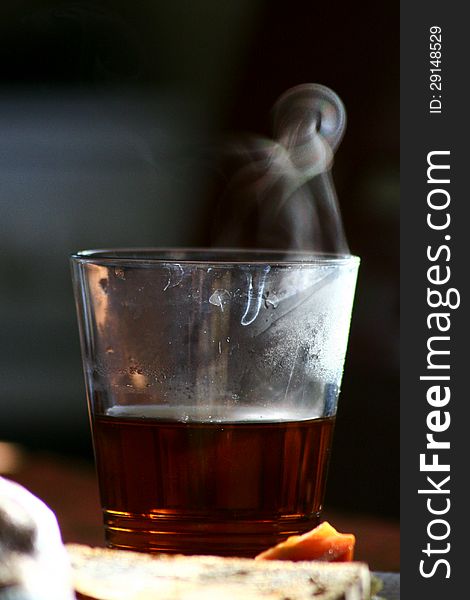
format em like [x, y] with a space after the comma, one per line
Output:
[212, 380]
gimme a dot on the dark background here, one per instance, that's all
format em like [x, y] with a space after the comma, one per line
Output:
[107, 112]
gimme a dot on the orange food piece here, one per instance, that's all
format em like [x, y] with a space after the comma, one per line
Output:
[322, 543]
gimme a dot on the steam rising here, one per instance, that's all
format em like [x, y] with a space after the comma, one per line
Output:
[205, 340]
[283, 194]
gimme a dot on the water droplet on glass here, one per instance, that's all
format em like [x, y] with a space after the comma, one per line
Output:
[228, 339]
[109, 350]
[119, 272]
[256, 282]
[104, 284]
[220, 298]
[175, 276]
[271, 300]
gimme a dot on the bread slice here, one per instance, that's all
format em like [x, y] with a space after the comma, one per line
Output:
[104, 574]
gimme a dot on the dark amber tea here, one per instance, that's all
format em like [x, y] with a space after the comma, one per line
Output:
[216, 487]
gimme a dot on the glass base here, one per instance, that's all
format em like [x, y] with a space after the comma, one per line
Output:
[189, 534]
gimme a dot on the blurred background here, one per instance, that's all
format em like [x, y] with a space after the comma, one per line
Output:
[107, 112]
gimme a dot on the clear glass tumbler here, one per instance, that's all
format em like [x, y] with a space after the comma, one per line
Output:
[212, 380]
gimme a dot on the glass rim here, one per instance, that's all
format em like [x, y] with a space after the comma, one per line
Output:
[213, 256]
